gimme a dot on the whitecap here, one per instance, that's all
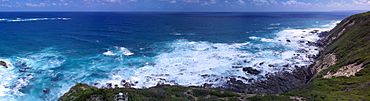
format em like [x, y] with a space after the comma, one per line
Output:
[176, 33]
[275, 24]
[254, 38]
[109, 53]
[125, 51]
[118, 51]
[30, 19]
[267, 40]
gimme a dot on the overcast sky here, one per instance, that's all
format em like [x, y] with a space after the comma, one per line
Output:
[183, 5]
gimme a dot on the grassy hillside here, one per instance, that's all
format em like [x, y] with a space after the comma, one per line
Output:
[83, 92]
[351, 47]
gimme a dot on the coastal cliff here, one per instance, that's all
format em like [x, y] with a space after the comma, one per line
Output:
[341, 72]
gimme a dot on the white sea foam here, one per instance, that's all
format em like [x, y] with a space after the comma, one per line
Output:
[195, 63]
[125, 51]
[42, 61]
[109, 53]
[275, 24]
[30, 19]
[253, 38]
[10, 83]
[21, 70]
[6, 75]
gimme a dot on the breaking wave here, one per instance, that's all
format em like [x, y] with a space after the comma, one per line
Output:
[30, 19]
[23, 70]
[118, 51]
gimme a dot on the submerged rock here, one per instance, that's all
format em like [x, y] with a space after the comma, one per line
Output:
[206, 85]
[302, 51]
[46, 91]
[128, 85]
[272, 65]
[4, 64]
[250, 70]
[314, 31]
[236, 66]
[262, 63]
[109, 85]
[323, 34]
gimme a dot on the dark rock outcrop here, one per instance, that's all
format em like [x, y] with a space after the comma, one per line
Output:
[250, 70]
[274, 83]
[4, 64]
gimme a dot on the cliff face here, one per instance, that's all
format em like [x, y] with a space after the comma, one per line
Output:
[341, 72]
[346, 46]
[345, 52]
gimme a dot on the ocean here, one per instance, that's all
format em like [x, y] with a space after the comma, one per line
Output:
[49, 52]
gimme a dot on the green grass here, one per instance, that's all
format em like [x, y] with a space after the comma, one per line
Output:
[81, 92]
[269, 98]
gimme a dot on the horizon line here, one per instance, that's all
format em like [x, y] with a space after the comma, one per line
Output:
[155, 11]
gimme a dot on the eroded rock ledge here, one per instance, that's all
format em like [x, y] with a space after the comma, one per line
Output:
[347, 71]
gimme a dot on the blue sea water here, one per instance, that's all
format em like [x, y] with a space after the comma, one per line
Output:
[49, 52]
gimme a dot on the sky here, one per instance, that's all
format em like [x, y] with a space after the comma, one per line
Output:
[184, 5]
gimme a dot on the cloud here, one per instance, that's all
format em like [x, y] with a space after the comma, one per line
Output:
[112, 1]
[361, 2]
[295, 3]
[169, 1]
[104, 2]
[35, 4]
[201, 2]
[263, 2]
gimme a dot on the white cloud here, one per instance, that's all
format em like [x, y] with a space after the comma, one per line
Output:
[112, 1]
[202, 2]
[36, 4]
[169, 1]
[295, 3]
[263, 2]
[361, 2]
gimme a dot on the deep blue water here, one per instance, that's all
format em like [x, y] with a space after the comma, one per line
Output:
[51, 52]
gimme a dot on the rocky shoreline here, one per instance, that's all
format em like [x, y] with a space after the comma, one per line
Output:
[342, 63]
[281, 81]
[271, 83]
